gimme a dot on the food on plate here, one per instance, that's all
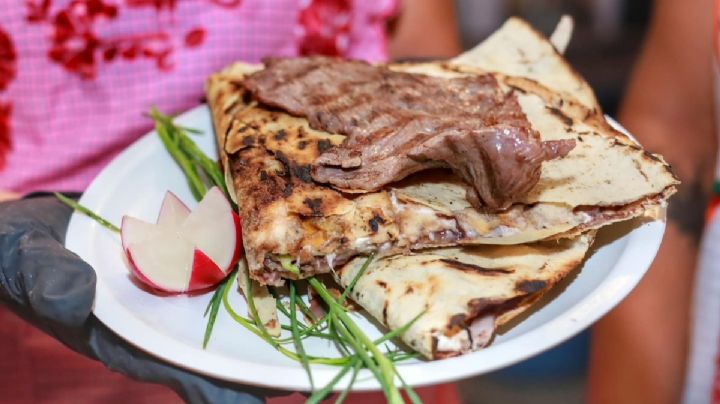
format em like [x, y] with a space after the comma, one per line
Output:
[477, 183]
[184, 250]
[274, 156]
[398, 123]
[265, 303]
[464, 292]
[518, 50]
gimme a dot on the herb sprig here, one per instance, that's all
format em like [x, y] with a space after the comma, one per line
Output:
[87, 212]
[192, 162]
[358, 350]
[341, 327]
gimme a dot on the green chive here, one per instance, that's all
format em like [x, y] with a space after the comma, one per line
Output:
[340, 341]
[250, 326]
[414, 398]
[319, 395]
[281, 308]
[216, 295]
[381, 367]
[398, 331]
[306, 310]
[403, 356]
[85, 211]
[191, 130]
[355, 279]
[214, 308]
[298, 344]
[356, 369]
[304, 334]
[286, 264]
[194, 182]
[176, 137]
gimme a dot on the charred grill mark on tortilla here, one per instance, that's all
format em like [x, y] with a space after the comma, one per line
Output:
[640, 170]
[303, 173]
[530, 286]
[248, 140]
[246, 96]
[323, 145]
[456, 323]
[375, 223]
[280, 135]
[477, 308]
[518, 89]
[315, 205]
[466, 267]
[561, 115]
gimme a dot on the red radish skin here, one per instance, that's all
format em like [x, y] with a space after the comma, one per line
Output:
[205, 272]
[238, 243]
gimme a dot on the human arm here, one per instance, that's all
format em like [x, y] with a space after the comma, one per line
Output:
[425, 28]
[8, 195]
[639, 350]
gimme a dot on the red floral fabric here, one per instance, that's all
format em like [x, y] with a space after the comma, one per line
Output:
[325, 26]
[76, 76]
[8, 66]
[78, 48]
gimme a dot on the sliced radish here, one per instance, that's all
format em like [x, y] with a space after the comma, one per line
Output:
[172, 211]
[214, 208]
[184, 251]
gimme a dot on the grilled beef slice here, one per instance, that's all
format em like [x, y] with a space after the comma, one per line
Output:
[400, 123]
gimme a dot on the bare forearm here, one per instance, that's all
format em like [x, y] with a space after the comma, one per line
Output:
[426, 28]
[8, 195]
[639, 350]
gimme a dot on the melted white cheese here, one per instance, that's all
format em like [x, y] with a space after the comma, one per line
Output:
[476, 336]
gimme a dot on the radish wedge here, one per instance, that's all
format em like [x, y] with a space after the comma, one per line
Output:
[185, 250]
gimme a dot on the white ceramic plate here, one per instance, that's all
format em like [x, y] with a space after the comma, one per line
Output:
[172, 327]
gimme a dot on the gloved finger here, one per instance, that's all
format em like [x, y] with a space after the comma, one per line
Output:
[37, 273]
[120, 356]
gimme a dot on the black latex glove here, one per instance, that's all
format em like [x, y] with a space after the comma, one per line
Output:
[53, 289]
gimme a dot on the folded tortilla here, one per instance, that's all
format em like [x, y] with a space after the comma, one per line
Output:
[268, 153]
[463, 293]
[517, 49]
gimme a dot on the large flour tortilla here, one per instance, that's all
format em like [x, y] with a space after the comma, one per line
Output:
[455, 286]
[467, 290]
[606, 178]
[517, 49]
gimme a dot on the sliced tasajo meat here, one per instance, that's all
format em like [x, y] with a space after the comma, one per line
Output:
[400, 123]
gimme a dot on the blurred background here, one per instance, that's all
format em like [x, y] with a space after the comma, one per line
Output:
[605, 42]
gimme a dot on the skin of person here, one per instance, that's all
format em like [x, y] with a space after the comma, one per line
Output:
[639, 351]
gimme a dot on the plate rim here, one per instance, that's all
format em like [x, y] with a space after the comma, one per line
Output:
[630, 267]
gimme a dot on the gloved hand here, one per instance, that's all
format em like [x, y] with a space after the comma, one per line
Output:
[53, 289]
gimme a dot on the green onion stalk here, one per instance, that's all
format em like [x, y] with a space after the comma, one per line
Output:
[336, 325]
[192, 161]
